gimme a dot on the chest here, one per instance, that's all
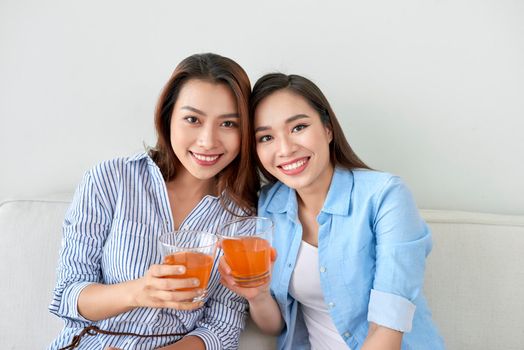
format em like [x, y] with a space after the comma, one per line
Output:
[310, 227]
[131, 245]
[346, 249]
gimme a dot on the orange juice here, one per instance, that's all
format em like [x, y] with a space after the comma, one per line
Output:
[197, 265]
[249, 259]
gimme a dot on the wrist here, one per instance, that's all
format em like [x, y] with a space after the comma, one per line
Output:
[260, 299]
[131, 293]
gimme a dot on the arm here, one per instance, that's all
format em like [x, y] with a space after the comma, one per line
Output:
[382, 338]
[189, 342]
[263, 308]
[80, 295]
[99, 301]
[403, 241]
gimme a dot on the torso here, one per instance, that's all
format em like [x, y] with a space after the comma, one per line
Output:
[306, 289]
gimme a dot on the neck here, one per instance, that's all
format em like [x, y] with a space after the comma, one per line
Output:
[312, 198]
[185, 186]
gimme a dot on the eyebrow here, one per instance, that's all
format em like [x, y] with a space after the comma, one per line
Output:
[196, 110]
[288, 120]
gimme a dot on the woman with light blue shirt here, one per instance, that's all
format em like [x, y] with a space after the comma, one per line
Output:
[110, 289]
[351, 246]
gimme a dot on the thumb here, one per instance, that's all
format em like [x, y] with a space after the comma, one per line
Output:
[273, 254]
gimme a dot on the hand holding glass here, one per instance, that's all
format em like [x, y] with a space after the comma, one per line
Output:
[195, 250]
[246, 243]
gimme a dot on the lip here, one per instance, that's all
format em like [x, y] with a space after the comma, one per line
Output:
[205, 162]
[296, 170]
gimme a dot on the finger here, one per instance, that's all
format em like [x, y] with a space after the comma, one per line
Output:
[163, 270]
[170, 284]
[223, 266]
[166, 297]
[227, 282]
[273, 254]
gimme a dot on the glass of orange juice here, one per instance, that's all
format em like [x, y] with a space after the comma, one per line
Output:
[246, 243]
[193, 249]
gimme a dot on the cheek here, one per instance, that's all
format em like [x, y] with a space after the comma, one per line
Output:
[178, 139]
[263, 153]
[237, 140]
[232, 142]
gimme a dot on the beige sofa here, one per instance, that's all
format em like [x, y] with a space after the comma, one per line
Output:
[474, 280]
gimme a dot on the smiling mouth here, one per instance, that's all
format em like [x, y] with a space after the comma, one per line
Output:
[205, 159]
[294, 167]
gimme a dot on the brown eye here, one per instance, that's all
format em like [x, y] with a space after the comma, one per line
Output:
[229, 124]
[265, 138]
[191, 119]
[299, 127]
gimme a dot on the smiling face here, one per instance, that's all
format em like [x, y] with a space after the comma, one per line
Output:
[292, 142]
[205, 134]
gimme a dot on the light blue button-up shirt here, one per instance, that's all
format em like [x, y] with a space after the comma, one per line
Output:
[372, 246]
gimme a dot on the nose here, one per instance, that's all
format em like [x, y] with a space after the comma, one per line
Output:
[286, 146]
[207, 138]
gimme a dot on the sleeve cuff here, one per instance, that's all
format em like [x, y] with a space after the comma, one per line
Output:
[390, 310]
[69, 303]
[209, 338]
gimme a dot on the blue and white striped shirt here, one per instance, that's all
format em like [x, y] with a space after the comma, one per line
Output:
[110, 236]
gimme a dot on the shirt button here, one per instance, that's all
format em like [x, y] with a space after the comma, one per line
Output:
[322, 269]
[331, 305]
[347, 335]
[289, 265]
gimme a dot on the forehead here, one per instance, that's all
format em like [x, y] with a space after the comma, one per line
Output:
[205, 94]
[281, 105]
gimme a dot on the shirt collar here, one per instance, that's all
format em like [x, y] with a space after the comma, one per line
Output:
[138, 157]
[339, 194]
[283, 200]
[337, 200]
[144, 155]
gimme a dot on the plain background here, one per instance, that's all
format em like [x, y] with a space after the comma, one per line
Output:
[430, 90]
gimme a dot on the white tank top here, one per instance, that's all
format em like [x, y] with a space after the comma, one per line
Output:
[305, 288]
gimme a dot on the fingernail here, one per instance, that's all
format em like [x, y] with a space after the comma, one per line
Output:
[181, 269]
[196, 282]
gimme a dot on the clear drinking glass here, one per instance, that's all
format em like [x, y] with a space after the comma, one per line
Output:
[246, 243]
[193, 249]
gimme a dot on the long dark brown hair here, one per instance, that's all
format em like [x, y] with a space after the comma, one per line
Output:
[340, 152]
[239, 180]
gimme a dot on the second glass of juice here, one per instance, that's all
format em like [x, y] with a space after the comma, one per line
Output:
[246, 243]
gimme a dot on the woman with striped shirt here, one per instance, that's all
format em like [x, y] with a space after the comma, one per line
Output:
[110, 289]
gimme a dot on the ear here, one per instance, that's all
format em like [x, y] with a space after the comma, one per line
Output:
[329, 134]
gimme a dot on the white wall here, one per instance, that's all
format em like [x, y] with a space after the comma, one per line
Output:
[430, 90]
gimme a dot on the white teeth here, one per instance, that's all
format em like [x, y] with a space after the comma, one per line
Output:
[294, 165]
[205, 158]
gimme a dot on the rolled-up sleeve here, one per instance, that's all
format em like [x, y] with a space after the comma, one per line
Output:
[224, 318]
[85, 227]
[403, 242]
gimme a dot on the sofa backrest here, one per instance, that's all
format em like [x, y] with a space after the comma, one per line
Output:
[474, 279]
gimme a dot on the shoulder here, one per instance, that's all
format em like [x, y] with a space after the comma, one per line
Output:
[387, 194]
[112, 170]
[374, 182]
